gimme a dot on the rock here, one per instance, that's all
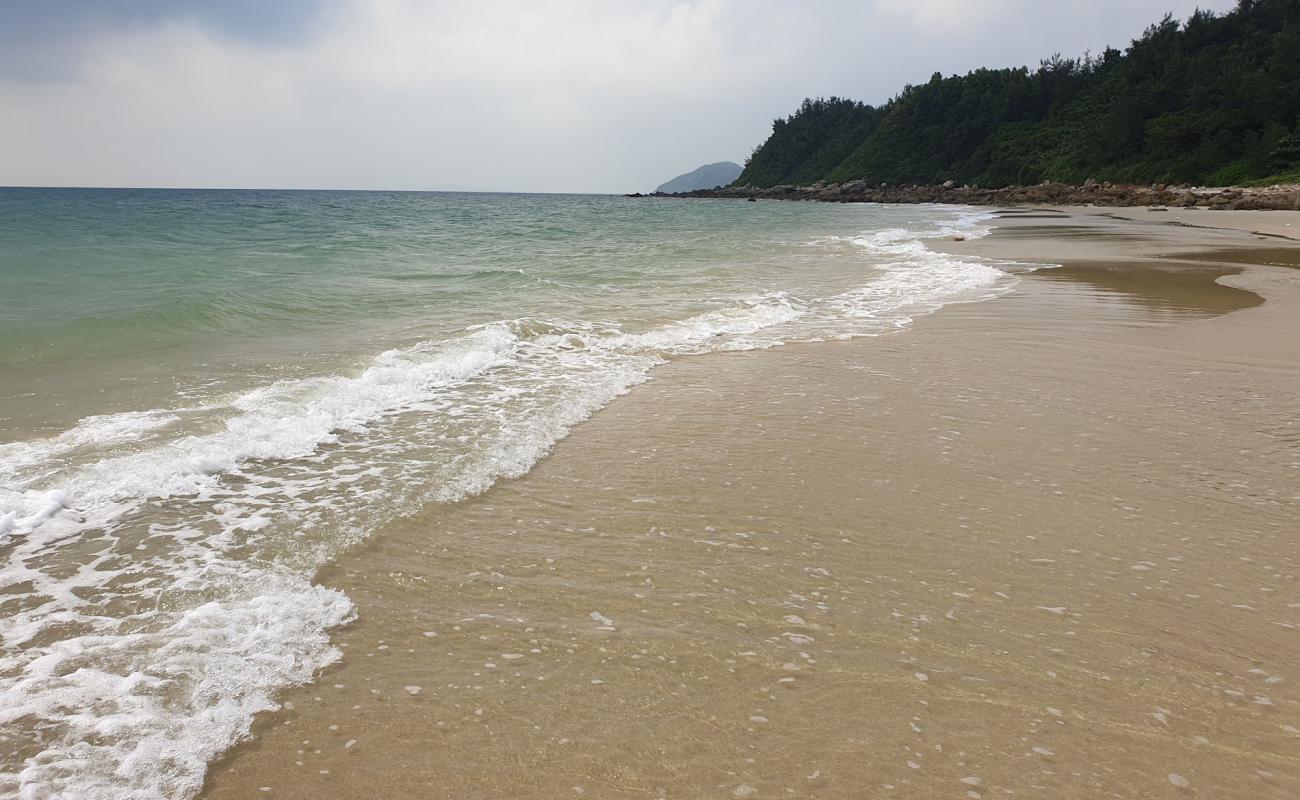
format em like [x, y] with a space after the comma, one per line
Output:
[948, 184]
[1089, 193]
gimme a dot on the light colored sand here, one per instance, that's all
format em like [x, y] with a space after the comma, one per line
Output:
[1043, 546]
[1285, 224]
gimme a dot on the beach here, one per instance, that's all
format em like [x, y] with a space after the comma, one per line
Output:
[1043, 545]
[235, 388]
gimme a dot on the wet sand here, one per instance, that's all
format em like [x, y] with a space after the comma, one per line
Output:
[1282, 225]
[1041, 546]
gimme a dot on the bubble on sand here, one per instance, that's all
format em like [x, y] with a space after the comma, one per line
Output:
[744, 790]
[973, 780]
[921, 676]
[412, 690]
[794, 619]
[1179, 781]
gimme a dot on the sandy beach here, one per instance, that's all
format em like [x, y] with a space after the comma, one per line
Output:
[1045, 545]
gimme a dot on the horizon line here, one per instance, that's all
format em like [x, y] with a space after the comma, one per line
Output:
[296, 189]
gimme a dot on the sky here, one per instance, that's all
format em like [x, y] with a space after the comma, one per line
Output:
[487, 95]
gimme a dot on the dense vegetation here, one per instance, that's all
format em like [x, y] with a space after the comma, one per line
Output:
[1213, 100]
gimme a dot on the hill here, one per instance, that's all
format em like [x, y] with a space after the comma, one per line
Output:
[1213, 100]
[705, 177]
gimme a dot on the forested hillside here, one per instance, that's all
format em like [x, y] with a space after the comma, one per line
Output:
[1213, 100]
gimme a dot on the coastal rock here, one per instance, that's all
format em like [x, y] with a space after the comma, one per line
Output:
[1046, 193]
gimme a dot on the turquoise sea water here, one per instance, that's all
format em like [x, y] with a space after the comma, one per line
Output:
[206, 395]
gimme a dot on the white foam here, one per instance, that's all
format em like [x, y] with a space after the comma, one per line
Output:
[27, 512]
[695, 334]
[137, 674]
[139, 714]
[94, 431]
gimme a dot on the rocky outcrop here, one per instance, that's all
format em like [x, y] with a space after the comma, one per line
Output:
[1047, 193]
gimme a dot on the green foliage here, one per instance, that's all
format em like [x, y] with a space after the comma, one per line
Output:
[809, 143]
[1272, 180]
[1214, 99]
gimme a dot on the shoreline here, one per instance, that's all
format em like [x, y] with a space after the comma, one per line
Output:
[1006, 549]
[1091, 193]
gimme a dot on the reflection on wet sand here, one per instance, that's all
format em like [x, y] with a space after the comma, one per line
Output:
[1164, 285]
[1262, 256]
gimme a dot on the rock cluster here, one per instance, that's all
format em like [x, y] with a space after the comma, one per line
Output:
[1047, 193]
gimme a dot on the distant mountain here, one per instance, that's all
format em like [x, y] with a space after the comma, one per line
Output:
[706, 177]
[1214, 100]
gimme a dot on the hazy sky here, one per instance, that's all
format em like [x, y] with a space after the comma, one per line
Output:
[525, 95]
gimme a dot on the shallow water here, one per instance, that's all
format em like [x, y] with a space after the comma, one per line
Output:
[206, 396]
[1036, 547]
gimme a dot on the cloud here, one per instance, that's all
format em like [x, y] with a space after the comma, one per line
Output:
[45, 40]
[945, 17]
[549, 95]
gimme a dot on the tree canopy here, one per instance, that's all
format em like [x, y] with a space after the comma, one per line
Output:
[1214, 100]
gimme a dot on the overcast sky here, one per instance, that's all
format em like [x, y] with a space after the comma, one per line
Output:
[505, 95]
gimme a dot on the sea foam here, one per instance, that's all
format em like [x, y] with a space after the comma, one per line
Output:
[157, 563]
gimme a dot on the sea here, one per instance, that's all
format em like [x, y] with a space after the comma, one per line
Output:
[207, 395]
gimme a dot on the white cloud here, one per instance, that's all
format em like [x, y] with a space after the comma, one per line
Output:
[558, 95]
[945, 17]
